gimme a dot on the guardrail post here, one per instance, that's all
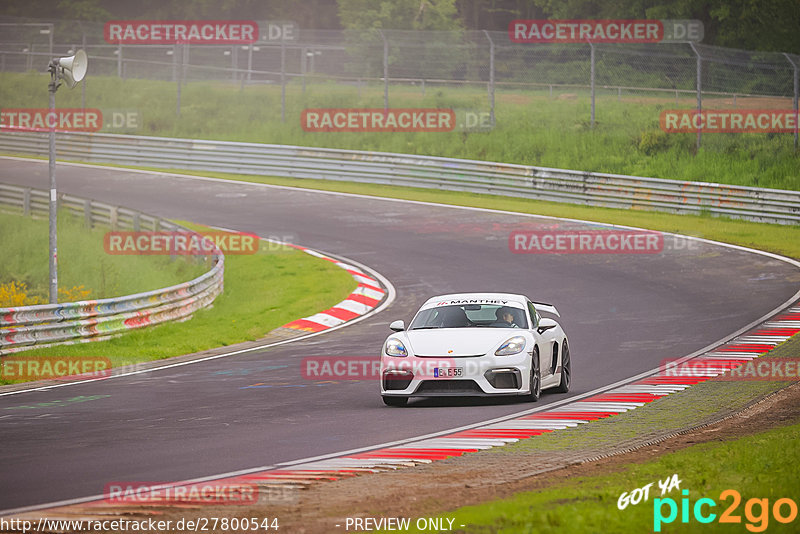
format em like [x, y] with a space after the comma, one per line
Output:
[119, 60]
[491, 76]
[87, 213]
[699, 89]
[113, 216]
[794, 99]
[591, 73]
[136, 221]
[26, 201]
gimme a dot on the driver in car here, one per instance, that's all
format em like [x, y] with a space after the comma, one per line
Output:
[505, 318]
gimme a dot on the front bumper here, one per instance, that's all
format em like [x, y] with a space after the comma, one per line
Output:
[486, 375]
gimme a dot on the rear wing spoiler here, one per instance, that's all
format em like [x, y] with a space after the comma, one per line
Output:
[544, 307]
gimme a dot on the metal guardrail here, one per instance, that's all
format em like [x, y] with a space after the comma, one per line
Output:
[27, 327]
[524, 181]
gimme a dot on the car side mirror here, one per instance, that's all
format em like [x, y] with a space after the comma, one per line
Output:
[397, 326]
[546, 324]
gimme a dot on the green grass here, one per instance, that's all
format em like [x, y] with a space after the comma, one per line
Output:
[758, 467]
[532, 128]
[82, 260]
[262, 291]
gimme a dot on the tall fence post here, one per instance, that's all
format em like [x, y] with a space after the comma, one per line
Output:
[385, 71]
[283, 79]
[234, 62]
[185, 58]
[178, 80]
[249, 61]
[591, 74]
[83, 82]
[53, 213]
[794, 99]
[174, 62]
[699, 89]
[491, 76]
[303, 60]
[119, 60]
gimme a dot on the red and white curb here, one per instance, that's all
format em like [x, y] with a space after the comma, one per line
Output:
[366, 297]
[626, 396]
[623, 398]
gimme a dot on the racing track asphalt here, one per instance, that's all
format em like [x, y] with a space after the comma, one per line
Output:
[624, 314]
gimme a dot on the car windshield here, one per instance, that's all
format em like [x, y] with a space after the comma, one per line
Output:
[470, 316]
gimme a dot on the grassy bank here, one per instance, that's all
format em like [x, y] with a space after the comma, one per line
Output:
[82, 261]
[757, 467]
[531, 126]
[262, 291]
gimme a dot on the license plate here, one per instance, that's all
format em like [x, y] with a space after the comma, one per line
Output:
[448, 372]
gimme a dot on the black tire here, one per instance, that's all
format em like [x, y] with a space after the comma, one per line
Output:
[566, 370]
[536, 377]
[394, 401]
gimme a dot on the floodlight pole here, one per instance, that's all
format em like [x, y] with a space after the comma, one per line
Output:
[53, 196]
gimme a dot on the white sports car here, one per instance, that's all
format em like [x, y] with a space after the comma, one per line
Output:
[475, 344]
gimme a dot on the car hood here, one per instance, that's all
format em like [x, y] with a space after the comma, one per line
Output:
[454, 342]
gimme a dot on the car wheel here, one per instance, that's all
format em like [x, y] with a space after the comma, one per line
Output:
[566, 370]
[536, 377]
[395, 401]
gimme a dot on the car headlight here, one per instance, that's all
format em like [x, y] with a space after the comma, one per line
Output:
[395, 347]
[515, 345]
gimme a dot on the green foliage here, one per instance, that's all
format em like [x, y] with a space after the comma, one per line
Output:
[399, 14]
[532, 128]
[82, 261]
[762, 466]
[653, 141]
[262, 291]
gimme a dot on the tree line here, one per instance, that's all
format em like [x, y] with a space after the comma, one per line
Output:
[770, 25]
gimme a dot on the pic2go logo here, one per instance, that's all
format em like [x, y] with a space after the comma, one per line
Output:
[756, 511]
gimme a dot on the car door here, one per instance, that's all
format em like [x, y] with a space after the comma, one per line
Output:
[548, 349]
